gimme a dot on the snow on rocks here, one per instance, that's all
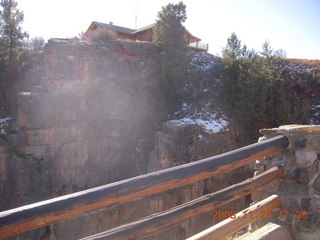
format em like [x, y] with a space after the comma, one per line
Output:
[210, 122]
[202, 110]
[202, 62]
[4, 124]
[301, 66]
[183, 109]
[315, 119]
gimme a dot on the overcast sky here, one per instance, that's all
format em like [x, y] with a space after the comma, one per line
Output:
[293, 25]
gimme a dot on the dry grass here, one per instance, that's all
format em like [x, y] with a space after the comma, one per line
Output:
[308, 62]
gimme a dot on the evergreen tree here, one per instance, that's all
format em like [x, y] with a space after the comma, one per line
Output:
[169, 37]
[231, 70]
[277, 106]
[32, 54]
[252, 87]
[11, 35]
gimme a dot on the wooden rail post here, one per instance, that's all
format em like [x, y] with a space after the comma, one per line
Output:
[241, 220]
[29, 217]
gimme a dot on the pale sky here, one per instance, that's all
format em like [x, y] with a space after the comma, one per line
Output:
[293, 25]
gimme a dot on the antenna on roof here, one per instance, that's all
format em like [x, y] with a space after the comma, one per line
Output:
[136, 17]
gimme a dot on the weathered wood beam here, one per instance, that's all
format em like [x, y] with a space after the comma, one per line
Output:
[207, 203]
[241, 220]
[26, 218]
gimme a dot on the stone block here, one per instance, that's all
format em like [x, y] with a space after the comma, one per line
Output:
[306, 230]
[114, 60]
[305, 157]
[16, 139]
[314, 172]
[316, 185]
[302, 175]
[63, 66]
[72, 155]
[38, 110]
[300, 143]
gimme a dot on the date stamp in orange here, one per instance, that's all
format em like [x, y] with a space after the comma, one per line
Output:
[262, 214]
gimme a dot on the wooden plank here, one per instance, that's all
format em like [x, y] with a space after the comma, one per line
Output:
[270, 231]
[241, 220]
[26, 218]
[207, 203]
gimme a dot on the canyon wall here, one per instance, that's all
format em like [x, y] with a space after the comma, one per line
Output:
[93, 114]
[89, 117]
[86, 119]
[302, 80]
[90, 106]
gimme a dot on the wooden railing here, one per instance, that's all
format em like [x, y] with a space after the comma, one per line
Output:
[33, 216]
[240, 220]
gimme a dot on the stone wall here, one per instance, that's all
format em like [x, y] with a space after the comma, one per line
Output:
[300, 186]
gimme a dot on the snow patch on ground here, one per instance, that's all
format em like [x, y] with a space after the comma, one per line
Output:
[202, 62]
[210, 123]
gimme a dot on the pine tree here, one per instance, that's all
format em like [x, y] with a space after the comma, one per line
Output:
[231, 71]
[11, 35]
[277, 106]
[169, 37]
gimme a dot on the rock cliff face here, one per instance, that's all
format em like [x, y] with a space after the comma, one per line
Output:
[303, 89]
[86, 119]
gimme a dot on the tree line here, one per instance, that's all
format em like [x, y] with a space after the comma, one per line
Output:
[252, 88]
